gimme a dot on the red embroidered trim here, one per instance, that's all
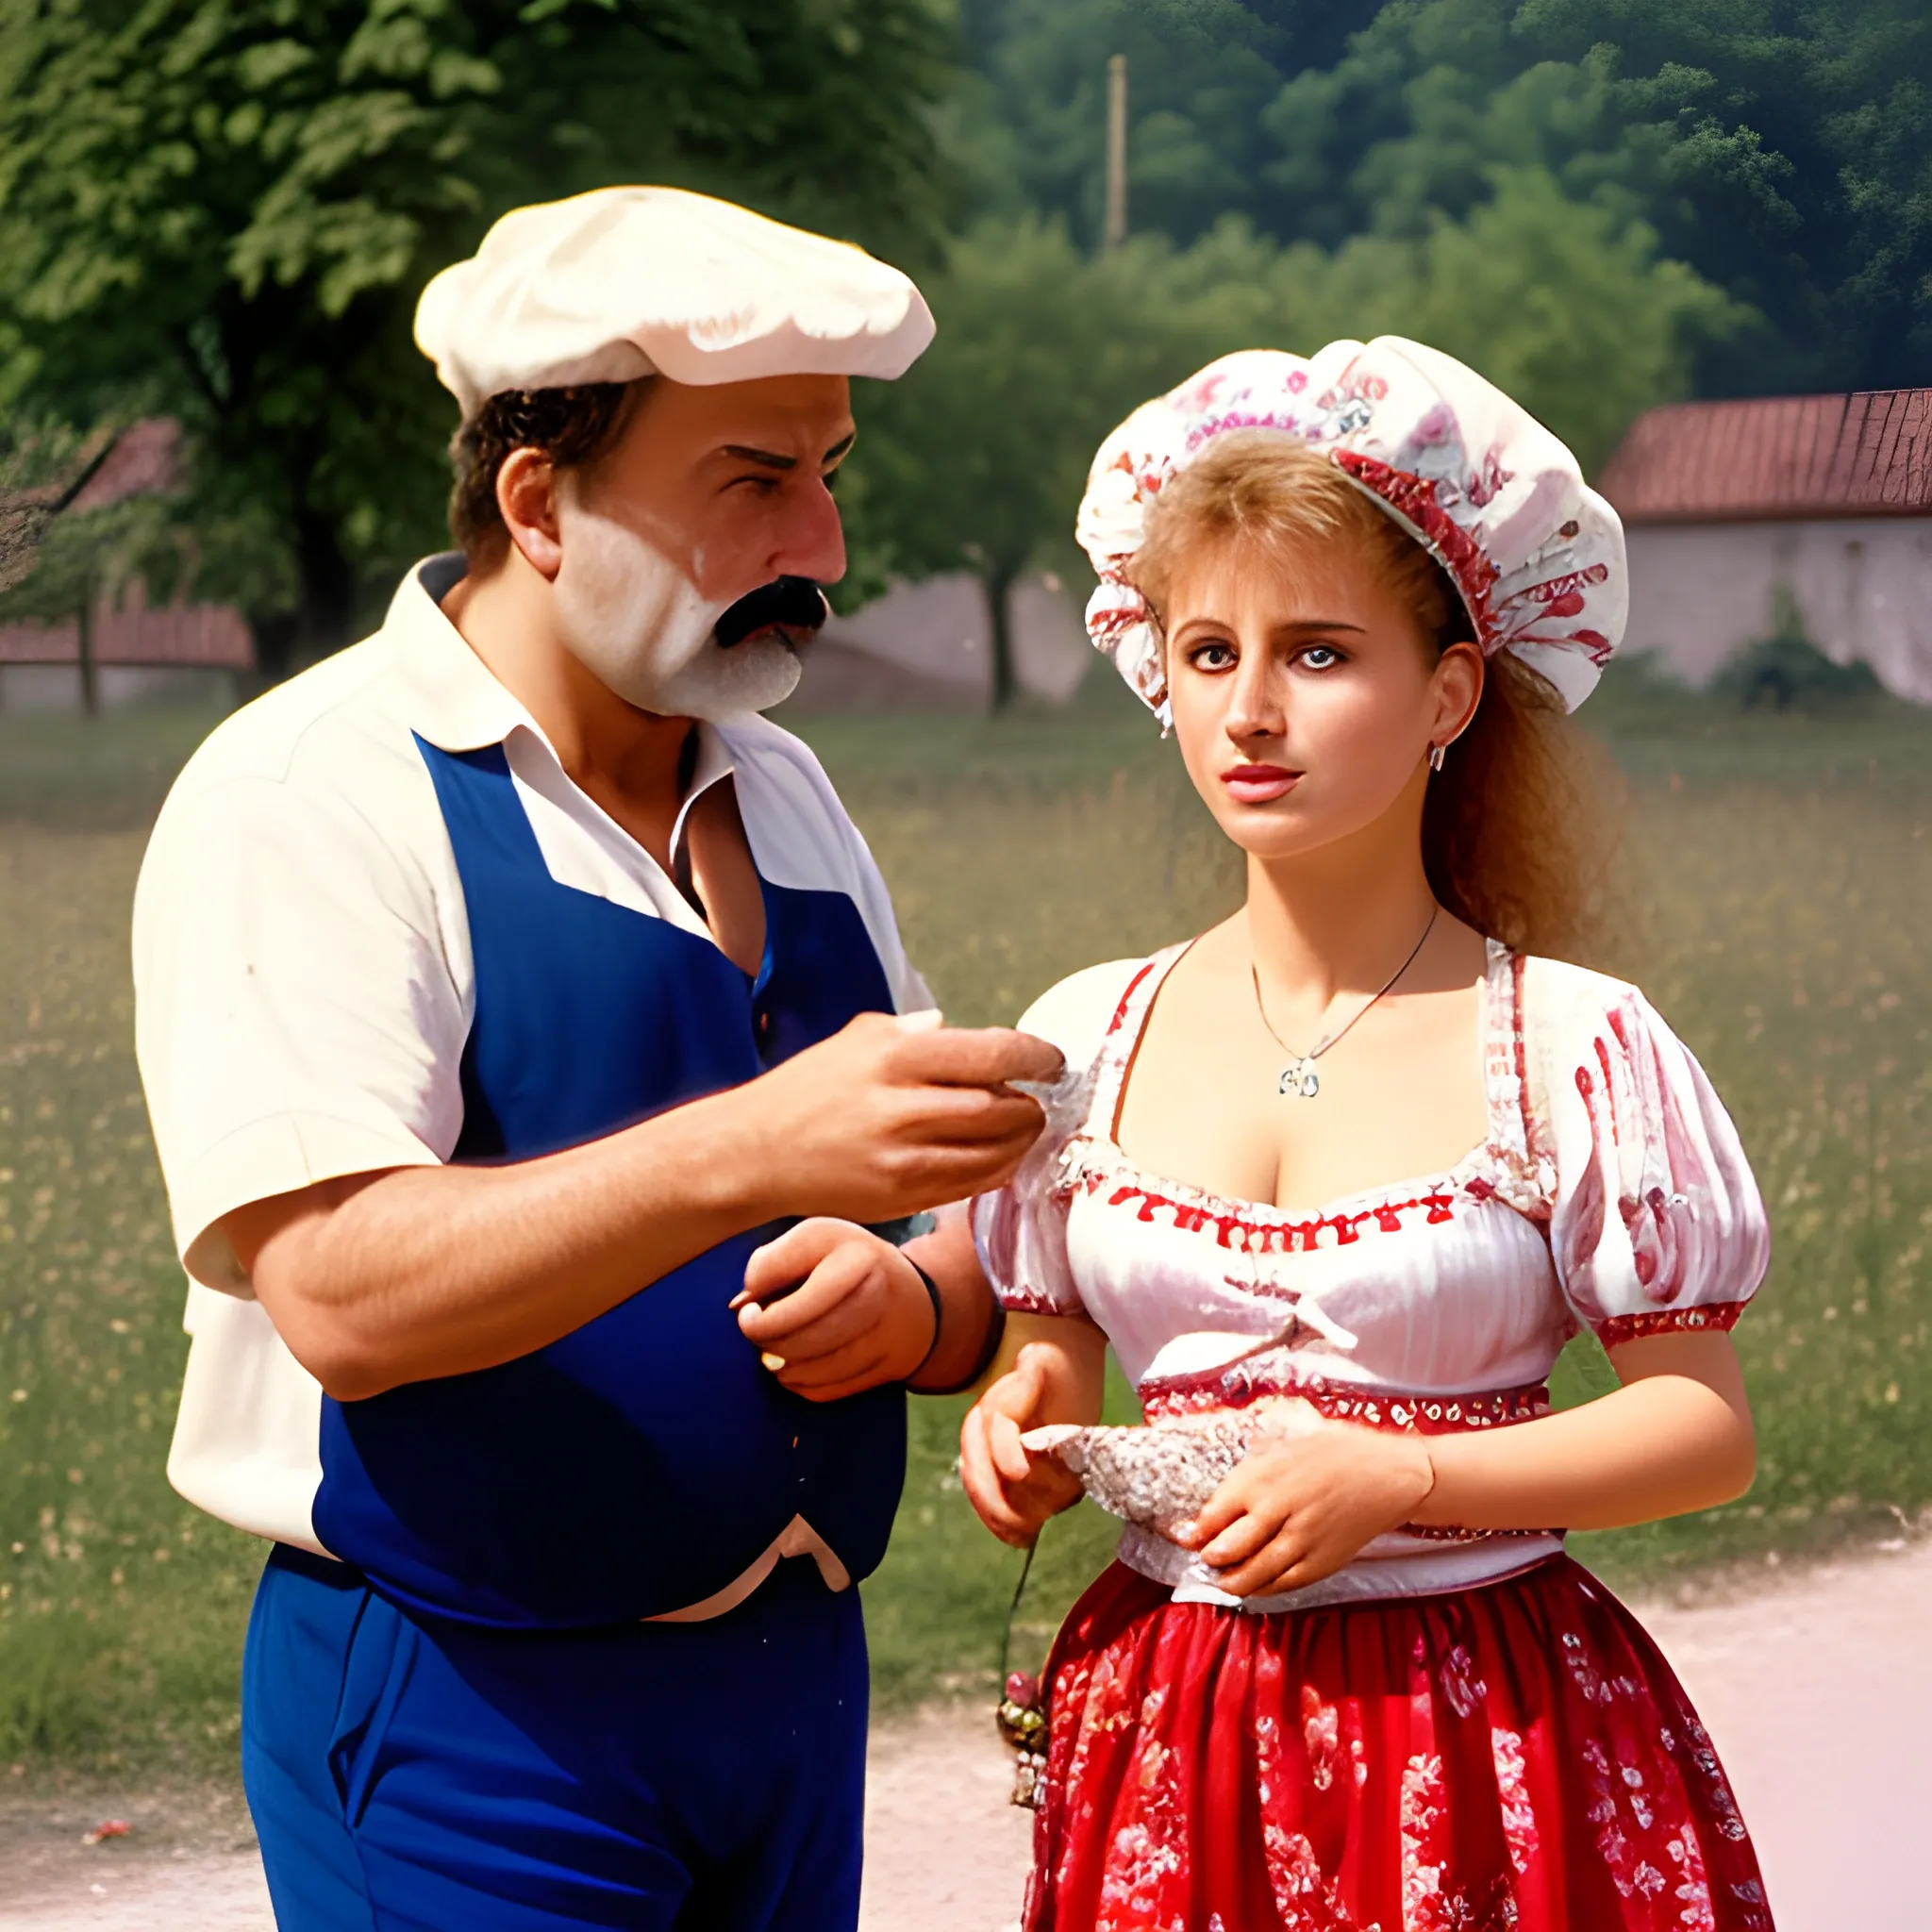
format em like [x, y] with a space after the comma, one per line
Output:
[1028, 1300]
[1242, 1383]
[1567, 591]
[1413, 498]
[1271, 1238]
[1517, 970]
[1604, 1067]
[1120, 1012]
[1721, 1316]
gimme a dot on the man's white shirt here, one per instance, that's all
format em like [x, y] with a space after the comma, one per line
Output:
[304, 986]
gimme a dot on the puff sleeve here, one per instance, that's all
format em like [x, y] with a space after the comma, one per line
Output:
[1657, 1225]
[1021, 1230]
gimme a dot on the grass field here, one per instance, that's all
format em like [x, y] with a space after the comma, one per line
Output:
[1781, 881]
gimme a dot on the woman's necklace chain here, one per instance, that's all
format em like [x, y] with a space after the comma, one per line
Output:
[1299, 1076]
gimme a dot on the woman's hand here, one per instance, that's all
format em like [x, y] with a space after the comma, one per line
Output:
[1294, 1512]
[848, 1311]
[1013, 1492]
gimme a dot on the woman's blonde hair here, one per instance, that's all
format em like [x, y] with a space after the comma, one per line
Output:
[1519, 828]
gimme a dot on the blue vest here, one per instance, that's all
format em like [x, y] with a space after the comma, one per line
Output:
[646, 1459]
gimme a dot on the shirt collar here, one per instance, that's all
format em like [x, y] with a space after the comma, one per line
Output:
[456, 701]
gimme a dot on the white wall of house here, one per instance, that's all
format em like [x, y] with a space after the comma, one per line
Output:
[933, 640]
[1862, 586]
[923, 645]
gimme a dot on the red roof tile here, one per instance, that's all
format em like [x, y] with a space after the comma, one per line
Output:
[144, 460]
[1838, 456]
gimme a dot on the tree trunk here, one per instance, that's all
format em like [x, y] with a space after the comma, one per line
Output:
[84, 630]
[275, 650]
[327, 605]
[999, 583]
[288, 641]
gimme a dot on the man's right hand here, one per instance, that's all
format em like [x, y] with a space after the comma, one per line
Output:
[894, 1115]
[374, 1279]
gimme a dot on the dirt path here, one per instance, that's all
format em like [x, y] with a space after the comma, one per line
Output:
[1817, 1687]
[1818, 1691]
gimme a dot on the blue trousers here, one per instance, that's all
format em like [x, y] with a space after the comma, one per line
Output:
[407, 1776]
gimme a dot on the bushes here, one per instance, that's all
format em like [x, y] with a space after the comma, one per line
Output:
[1785, 671]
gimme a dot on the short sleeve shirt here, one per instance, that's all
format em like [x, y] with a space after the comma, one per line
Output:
[304, 985]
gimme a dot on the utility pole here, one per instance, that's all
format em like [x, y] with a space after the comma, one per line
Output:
[1116, 150]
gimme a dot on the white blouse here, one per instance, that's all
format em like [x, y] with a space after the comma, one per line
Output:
[1611, 1191]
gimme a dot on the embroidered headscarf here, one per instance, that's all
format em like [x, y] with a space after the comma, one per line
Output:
[1500, 503]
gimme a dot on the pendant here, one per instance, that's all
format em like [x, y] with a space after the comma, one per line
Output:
[1300, 1080]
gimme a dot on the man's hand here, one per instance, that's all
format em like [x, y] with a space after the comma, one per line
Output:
[855, 1314]
[1013, 1493]
[1294, 1512]
[381, 1278]
[893, 1116]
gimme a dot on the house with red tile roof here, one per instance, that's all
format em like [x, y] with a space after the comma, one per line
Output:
[1730, 507]
[125, 649]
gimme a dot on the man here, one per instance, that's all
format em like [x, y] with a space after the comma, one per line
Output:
[502, 983]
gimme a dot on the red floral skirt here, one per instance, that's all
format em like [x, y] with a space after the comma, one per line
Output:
[1518, 1755]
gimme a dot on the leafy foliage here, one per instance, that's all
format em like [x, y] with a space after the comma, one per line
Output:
[224, 209]
[1785, 671]
[978, 457]
[1204, 74]
[1782, 147]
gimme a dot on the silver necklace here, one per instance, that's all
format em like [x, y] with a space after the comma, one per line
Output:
[1299, 1076]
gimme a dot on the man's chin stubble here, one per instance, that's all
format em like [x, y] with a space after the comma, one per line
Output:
[752, 677]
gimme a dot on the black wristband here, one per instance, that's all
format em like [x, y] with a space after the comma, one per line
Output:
[938, 1313]
[995, 1334]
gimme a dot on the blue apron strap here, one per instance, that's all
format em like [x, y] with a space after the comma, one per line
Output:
[485, 817]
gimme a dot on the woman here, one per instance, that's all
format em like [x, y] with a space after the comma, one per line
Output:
[1363, 1157]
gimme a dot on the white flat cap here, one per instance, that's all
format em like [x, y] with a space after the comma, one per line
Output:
[624, 282]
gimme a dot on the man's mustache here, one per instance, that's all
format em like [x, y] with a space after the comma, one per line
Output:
[793, 605]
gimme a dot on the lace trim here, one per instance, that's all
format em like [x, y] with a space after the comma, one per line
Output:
[1387, 1574]
[1455, 1533]
[1248, 1381]
[1721, 1316]
[1503, 1169]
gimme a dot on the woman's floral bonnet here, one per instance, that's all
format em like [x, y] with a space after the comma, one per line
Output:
[1498, 501]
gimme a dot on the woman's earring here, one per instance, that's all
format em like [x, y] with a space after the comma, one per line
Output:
[1437, 753]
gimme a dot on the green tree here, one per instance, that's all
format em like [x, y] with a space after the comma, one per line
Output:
[1201, 74]
[1566, 307]
[225, 208]
[1782, 148]
[1784, 151]
[976, 459]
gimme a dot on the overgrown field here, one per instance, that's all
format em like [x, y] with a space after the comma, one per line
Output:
[1781, 876]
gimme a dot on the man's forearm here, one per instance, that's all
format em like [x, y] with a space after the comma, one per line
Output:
[376, 1280]
[435, 1271]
